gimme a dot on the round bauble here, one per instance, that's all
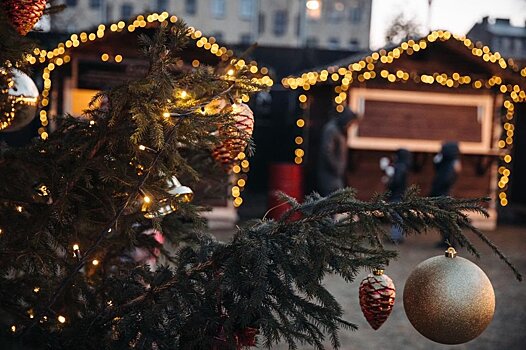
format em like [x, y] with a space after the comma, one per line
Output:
[449, 299]
[24, 14]
[18, 101]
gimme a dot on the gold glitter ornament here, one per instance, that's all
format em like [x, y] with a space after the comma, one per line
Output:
[449, 299]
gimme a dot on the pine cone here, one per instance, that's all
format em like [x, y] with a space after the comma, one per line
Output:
[238, 135]
[377, 297]
[24, 14]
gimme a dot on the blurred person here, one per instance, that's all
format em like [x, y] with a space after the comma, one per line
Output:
[332, 158]
[397, 184]
[447, 167]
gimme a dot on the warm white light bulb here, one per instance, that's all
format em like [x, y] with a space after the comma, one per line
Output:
[313, 5]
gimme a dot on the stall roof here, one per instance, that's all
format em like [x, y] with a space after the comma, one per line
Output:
[467, 59]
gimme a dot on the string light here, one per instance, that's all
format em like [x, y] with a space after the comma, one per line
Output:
[61, 319]
[95, 262]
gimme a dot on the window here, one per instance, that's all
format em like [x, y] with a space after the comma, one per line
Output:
[190, 7]
[218, 8]
[355, 14]
[94, 4]
[354, 44]
[162, 5]
[337, 12]
[245, 39]
[261, 23]
[246, 9]
[109, 13]
[126, 11]
[71, 3]
[334, 43]
[280, 22]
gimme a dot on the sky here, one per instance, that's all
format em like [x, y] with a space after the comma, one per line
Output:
[457, 16]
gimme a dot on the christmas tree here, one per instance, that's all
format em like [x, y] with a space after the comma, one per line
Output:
[83, 211]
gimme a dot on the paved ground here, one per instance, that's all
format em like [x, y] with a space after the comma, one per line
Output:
[507, 331]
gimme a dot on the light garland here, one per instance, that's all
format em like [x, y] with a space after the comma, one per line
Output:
[59, 56]
[365, 69]
[299, 152]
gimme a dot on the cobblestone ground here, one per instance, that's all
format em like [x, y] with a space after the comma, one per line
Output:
[507, 331]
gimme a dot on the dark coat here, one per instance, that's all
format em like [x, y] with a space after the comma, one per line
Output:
[332, 158]
[445, 173]
[398, 182]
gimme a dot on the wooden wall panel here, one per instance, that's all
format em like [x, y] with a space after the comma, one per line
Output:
[388, 119]
[365, 175]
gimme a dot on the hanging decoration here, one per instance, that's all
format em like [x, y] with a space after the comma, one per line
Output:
[377, 297]
[19, 100]
[24, 14]
[237, 135]
[179, 194]
[245, 338]
[449, 299]
[183, 194]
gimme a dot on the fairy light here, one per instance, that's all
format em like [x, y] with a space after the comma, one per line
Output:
[95, 262]
[61, 319]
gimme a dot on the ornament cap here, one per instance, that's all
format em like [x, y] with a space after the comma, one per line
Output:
[450, 252]
[378, 272]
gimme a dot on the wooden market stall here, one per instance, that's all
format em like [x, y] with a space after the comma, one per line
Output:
[88, 62]
[416, 95]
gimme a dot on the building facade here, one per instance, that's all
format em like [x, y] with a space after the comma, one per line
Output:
[501, 36]
[332, 24]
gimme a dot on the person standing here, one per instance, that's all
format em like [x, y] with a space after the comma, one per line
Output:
[397, 185]
[332, 158]
[447, 168]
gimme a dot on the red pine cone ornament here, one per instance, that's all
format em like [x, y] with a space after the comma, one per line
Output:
[244, 339]
[377, 297]
[24, 14]
[237, 136]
